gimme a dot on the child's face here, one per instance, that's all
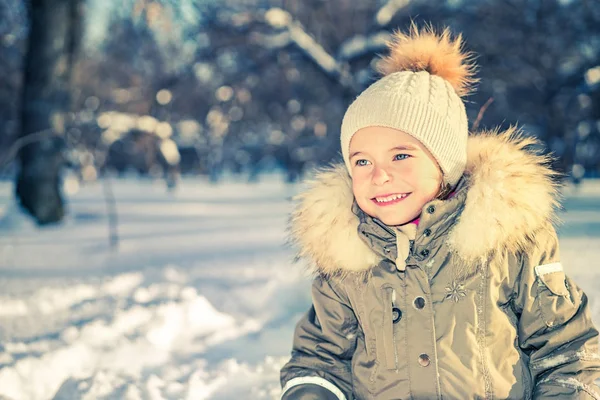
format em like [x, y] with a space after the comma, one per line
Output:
[393, 174]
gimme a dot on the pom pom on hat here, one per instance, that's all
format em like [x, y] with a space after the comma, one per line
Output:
[440, 55]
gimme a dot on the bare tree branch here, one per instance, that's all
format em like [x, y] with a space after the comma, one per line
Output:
[480, 114]
[111, 210]
[24, 141]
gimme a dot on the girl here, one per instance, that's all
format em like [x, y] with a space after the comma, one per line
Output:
[438, 270]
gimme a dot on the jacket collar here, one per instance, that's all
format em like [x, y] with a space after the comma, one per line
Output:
[382, 239]
[508, 193]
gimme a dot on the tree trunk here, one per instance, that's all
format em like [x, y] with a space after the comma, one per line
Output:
[54, 28]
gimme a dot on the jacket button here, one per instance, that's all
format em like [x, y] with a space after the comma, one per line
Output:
[396, 315]
[427, 232]
[419, 303]
[431, 209]
[424, 360]
[425, 253]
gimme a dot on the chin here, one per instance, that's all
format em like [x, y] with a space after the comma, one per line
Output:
[391, 221]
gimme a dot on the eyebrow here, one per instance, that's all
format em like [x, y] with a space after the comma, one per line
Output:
[401, 148]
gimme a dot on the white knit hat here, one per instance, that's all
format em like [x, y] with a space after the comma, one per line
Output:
[425, 76]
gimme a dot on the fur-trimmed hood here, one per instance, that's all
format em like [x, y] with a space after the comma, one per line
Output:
[510, 194]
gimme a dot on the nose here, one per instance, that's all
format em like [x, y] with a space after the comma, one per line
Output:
[380, 176]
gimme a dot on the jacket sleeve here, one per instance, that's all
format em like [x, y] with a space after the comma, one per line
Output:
[555, 327]
[324, 342]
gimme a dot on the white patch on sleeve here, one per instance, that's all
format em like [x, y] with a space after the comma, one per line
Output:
[549, 362]
[314, 380]
[548, 268]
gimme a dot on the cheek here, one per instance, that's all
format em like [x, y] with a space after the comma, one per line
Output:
[410, 172]
[427, 175]
[360, 179]
[406, 168]
[358, 186]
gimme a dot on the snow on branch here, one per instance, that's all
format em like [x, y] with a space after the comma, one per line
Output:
[314, 50]
[387, 12]
[295, 33]
[290, 32]
[360, 45]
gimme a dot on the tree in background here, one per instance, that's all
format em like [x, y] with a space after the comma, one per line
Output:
[51, 48]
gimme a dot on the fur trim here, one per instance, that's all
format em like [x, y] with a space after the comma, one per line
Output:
[324, 228]
[438, 54]
[511, 194]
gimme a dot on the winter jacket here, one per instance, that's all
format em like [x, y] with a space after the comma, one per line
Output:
[481, 310]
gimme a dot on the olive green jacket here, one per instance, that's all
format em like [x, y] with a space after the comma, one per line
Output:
[480, 309]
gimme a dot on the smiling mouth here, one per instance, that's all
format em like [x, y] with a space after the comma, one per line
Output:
[390, 199]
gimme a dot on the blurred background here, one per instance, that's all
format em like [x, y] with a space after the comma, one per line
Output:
[149, 149]
[161, 89]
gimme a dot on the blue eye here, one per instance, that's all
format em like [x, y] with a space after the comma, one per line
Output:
[362, 163]
[398, 157]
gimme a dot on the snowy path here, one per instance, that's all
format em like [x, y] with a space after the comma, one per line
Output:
[199, 301]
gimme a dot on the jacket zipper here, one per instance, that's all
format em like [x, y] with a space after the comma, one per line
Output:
[389, 330]
[394, 333]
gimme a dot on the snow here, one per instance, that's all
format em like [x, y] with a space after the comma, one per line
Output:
[360, 45]
[198, 301]
[293, 32]
[387, 12]
[278, 18]
[592, 76]
[313, 49]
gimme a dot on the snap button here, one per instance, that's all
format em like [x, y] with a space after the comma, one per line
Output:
[419, 303]
[427, 232]
[431, 209]
[396, 315]
[424, 360]
[425, 253]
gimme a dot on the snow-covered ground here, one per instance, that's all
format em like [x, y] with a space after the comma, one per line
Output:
[198, 301]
